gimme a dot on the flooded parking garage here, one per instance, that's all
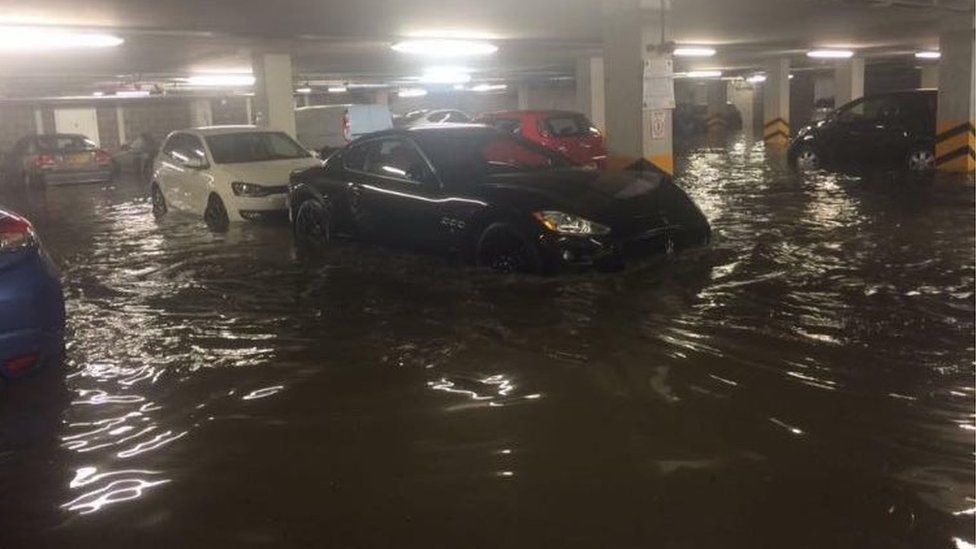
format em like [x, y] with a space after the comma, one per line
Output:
[805, 380]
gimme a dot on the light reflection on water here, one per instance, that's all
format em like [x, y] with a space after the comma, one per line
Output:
[820, 350]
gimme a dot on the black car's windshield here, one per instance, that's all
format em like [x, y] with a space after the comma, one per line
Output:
[235, 148]
[476, 153]
[64, 143]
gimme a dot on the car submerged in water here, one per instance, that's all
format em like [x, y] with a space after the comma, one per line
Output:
[31, 301]
[499, 201]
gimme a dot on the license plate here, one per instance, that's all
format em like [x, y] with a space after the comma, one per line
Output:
[79, 159]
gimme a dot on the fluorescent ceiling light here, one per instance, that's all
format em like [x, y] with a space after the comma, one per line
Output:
[48, 38]
[303, 90]
[218, 80]
[928, 55]
[132, 93]
[693, 51]
[830, 54]
[98, 93]
[444, 47]
[445, 75]
[703, 74]
[412, 92]
[756, 78]
[489, 87]
[338, 89]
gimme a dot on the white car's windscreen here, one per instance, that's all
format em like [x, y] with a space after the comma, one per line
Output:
[236, 148]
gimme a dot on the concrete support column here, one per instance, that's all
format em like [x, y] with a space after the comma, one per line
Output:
[201, 113]
[743, 96]
[273, 105]
[955, 141]
[930, 76]
[523, 96]
[120, 124]
[638, 131]
[591, 97]
[776, 103]
[718, 98]
[848, 81]
[38, 121]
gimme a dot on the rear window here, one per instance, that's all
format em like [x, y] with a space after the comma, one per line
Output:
[64, 143]
[236, 148]
[568, 125]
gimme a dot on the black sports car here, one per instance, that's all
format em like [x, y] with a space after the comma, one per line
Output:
[499, 201]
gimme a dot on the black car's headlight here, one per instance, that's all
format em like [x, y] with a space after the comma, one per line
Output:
[250, 190]
[564, 223]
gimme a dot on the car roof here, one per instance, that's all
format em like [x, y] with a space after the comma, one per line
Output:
[424, 129]
[207, 131]
[534, 112]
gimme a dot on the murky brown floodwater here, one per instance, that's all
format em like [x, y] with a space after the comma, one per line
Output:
[807, 381]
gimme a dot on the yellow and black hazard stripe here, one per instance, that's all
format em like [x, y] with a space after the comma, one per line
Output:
[716, 122]
[955, 147]
[776, 132]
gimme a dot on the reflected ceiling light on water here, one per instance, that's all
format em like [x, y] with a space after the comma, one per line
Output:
[412, 92]
[18, 39]
[830, 54]
[928, 55]
[445, 47]
[693, 51]
[446, 75]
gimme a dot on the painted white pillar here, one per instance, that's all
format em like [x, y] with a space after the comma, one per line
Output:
[523, 96]
[930, 76]
[274, 104]
[120, 123]
[955, 147]
[776, 103]
[848, 81]
[201, 113]
[591, 96]
[38, 122]
[637, 129]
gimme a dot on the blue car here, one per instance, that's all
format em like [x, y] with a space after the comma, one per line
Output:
[31, 301]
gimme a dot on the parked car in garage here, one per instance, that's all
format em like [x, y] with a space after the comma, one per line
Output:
[569, 133]
[892, 129]
[31, 301]
[326, 128]
[498, 200]
[136, 157]
[439, 116]
[226, 173]
[57, 159]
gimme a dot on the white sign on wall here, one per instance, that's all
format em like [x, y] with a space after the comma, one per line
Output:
[659, 124]
[658, 83]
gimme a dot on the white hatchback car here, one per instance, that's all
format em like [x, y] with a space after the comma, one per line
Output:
[226, 173]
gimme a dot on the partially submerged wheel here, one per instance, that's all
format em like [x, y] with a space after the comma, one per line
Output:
[921, 159]
[503, 249]
[312, 224]
[807, 160]
[159, 207]
[216, 214]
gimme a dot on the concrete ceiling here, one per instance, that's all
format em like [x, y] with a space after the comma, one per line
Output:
[349, 40]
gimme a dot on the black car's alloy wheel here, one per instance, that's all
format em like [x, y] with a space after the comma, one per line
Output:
[312, 224]
[159, 208]
[807, 160]
[503, 249]
[921, 159]
[216, 214]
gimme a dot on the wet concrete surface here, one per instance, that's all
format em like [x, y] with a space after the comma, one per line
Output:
[805, 381]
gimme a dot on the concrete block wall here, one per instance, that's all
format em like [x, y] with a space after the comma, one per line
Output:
[16, 121]
[157, 117]
[108, 128]
[229, 111]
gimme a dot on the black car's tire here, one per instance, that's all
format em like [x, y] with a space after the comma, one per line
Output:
[504, 249]
[159, 207]
[215, 215]
[313, 224]
[920, 159]
[806, 160]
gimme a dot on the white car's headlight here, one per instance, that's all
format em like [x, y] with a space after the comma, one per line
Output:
[564, 223]
[250, 190]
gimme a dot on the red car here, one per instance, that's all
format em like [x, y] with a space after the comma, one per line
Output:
[569, 133]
